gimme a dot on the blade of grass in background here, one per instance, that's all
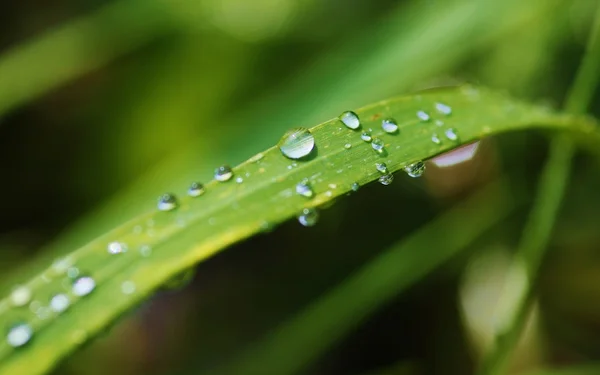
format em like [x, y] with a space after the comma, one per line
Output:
[233, 210]
[538, 230]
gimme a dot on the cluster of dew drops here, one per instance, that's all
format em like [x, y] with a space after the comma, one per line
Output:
[295, 144]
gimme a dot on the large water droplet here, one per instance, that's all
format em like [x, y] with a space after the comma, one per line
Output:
[19, 335]
[451, 134]
[296, 143]
[377, 145]
[83, 286]
[381, 167]
[443, 109]
[167, 202]
[389, 125]
[303, 188]
[223, 173]
[308, 217]
[350, 119]
[366, 137]
[196, 189]
[386, 179]
[415, 169]
[423, 116]
[116, 248]
[59, 303]
[20, 296]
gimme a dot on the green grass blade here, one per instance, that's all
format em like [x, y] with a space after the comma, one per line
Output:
[300, 341]
[231, 211]
[538, 230]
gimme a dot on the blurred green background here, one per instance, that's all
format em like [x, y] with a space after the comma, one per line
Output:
[104, 105]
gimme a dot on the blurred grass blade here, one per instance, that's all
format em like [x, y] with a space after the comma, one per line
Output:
[233, 210]
[589, 369]
[299, 342]
[536, 234]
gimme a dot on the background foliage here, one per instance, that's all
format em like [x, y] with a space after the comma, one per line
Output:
[105, 105]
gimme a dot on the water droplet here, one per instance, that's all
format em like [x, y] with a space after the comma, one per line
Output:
[59, 303]
[436, 139]
[296, 143]
[377, 145]
[308, 217]
[443, 109]
[196, 189]
[366, 137]
[83, 286]
[451, 134]
[20, 296]
[389, 125]
[386, 179]
[415, 169]
[167, 202]
[223, 173]
[381, 167]
[73, 272]
[145, 251]
[256, 158]
[43, 313]
[116, 248]
[439, 122]
[62, 264]
[19, 335]
[239, 180]
[350, 119]
[423, 116]
[128, 287]
[303, 188]
[355, 186]
[348, 146]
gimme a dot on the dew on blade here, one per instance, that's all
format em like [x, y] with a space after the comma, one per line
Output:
[348, 146]
[196, 189]
[443, 109]
[20, 296]
[386, 179]
[223, 173]
[436, 139]
[308, 217]
[366, 137]
[415, 169]
[451, 134]
[381, 167]
[59, 303]
[423, 116]
[297, 143]
[19, 335]
[128, 287]
[377, 145]
[389, 126]
[116, 247]
[239, 180]
[83, 286]
[167, 202]
[304, 189]
[350, 119]
[355, 186]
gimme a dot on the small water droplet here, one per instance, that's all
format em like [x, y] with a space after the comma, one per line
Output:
[451, 134]
[19, 335]
[83, 286]
[43, 313]
[59, 303]
[239, 180]
[196, 189]
[20, 296]
[62, 264]
[350, 119]
[386, 179]
[116, 248]
[145, 251]
[308, 217]
[389, 125]
[423, 116]
[381, 167]
[297, 143]
[377, 145]
[167, 202]
[348, 146]
[443, 109]
[73, 272]
[256, 158]
[128, 287]
[436, 139]
[223, 173]
[415, 169]
[303, 188]
[439, 122]
[366, 137]
[355, 186]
